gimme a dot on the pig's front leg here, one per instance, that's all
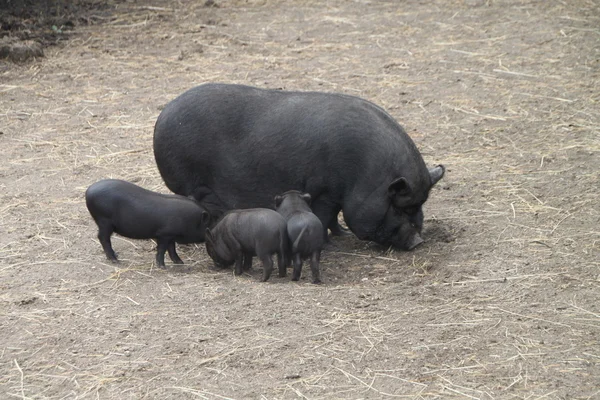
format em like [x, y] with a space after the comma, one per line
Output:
[247, 261]
[239, 263]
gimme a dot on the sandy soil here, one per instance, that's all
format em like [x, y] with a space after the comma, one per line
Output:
[501, 302]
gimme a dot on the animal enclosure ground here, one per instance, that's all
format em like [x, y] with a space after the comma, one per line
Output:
[501, 302]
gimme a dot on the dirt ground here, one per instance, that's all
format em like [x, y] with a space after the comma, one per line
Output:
[501, 302]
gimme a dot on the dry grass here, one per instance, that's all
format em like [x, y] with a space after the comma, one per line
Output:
[502, 302]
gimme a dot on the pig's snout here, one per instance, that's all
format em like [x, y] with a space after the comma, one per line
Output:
[414, 241]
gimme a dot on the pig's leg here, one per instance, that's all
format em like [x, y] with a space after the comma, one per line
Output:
[297, 267]
[281, 265]
[105, 229]
[173, 254]
[163, 244]
[337, 230]
[267, 264]
[247, 261]
[327, 212]
[239, 263]
[314, 266]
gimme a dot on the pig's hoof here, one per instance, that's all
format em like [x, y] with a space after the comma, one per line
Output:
[316, 281]
[295, 278]
[282, 274]
[178, 262]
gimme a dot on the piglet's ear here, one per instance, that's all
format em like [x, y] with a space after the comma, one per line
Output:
[208, 235]
[278, 200]
[306, 197]
[399, 187]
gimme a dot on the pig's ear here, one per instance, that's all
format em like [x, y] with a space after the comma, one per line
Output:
[205, 218]
[399, 187]
[306, 197]
[278, 200]
[436, 173]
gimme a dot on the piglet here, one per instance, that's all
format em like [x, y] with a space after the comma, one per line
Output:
[304, 229]
[137, 213]
[242, 234]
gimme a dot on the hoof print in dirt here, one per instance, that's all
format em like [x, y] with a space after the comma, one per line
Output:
[20, 50]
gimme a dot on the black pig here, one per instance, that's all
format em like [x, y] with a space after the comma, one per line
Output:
[348, 153]
[242, 234]
[304, 229]
[137, 213]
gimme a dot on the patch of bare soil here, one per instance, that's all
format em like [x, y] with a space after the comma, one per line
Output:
[502, 301]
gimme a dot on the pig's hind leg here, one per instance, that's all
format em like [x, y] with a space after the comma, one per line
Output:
[105, 230]
[267, 264]
[163, 245]
[281, 264]
[173, 254]
[314, 267]
[297, 267]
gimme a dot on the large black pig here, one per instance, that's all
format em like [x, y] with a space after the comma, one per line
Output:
[137, 213]
[234, 146]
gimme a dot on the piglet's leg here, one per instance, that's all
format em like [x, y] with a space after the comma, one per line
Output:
[297, 267]
[160, 253]
[267, 264]
[105, 229]
[314, 267]
[173, 254]
[281, 265]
